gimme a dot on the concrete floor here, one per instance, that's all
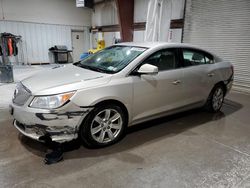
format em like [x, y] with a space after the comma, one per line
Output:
[191, 149]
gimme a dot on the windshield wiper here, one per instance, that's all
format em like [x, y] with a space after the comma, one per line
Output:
[94, 68]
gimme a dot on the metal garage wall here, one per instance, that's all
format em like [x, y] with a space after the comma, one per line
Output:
[62, 12]
[105, 14]
[140, 15]
[110, 38]
[141, 7]
[38, 38]
[140, 10]
[223, 27]
[139, 36]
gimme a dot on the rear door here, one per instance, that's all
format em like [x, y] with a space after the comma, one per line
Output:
[154, 94]
[198, 75]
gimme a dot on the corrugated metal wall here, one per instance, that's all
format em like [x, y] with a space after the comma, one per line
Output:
[38, 38]
[223, 27]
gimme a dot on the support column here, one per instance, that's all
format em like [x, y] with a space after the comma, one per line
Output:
[125, 10]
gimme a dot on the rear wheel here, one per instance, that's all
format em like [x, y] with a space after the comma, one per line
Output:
[215, 99]
[104, 126]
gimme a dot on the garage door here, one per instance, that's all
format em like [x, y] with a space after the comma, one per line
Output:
[223, 27]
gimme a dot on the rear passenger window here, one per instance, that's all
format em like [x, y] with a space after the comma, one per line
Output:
[192, 57]
[209, 60]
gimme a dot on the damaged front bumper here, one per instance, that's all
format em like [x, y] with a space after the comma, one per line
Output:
[59, 125]
[229, 83]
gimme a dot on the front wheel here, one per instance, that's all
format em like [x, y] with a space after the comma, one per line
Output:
[104, 126]
[215, 99]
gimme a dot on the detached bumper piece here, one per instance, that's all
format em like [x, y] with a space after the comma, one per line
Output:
[53, 157]
[39, 132]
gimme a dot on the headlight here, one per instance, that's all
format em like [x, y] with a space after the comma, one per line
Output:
[52, 101]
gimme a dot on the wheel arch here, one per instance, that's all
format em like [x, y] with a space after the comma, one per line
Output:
[83, 131]
[223, 86]
[115, 102]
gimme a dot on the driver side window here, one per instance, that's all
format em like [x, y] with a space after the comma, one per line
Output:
[163, 59]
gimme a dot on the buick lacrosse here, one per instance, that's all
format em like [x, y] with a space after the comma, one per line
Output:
[97, 98]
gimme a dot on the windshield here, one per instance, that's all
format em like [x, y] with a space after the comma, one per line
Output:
[111, 59]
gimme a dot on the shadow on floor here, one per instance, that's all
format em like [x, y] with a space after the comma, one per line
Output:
[140, 134]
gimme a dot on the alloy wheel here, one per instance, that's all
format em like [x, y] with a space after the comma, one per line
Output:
[106, 126]
[218, 97]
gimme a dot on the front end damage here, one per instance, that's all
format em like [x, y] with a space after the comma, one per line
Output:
[59, 125]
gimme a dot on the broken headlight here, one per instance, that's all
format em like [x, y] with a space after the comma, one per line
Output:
[51, 101]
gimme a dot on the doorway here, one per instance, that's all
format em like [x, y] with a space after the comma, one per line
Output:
[77, 44]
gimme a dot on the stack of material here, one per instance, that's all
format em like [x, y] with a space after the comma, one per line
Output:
[8, 48]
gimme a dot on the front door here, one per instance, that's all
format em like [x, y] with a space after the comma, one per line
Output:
[77, 44]
[154, 94]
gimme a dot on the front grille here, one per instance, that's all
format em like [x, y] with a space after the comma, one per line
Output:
[21, 95]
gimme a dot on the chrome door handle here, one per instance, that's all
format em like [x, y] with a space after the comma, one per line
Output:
[176, 82]
[210, 74]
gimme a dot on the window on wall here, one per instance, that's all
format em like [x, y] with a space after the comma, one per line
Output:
[164, 60]
[192, 57]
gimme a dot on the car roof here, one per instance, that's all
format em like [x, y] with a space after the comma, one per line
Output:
[161, 44]
[154, 44]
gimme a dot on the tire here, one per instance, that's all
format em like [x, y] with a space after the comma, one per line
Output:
[215, 99]
[104, 126]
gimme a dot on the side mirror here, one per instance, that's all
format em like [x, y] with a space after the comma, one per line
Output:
[148, 69]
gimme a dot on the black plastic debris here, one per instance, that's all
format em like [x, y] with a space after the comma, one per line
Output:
[54, 157]
[58, 149]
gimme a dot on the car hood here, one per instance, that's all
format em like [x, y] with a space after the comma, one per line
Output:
[64, 79]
